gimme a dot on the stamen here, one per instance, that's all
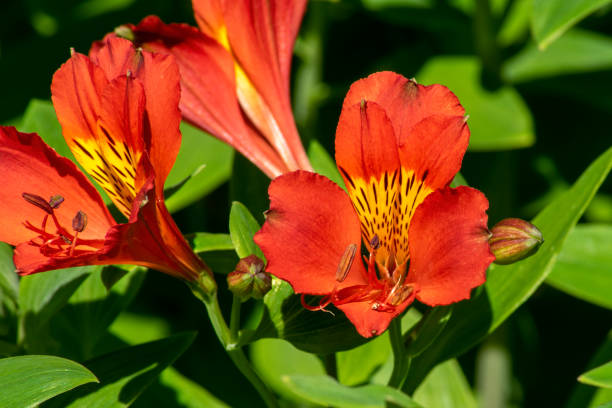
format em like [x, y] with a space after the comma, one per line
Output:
[375, 242]
[400, 294]
[79, 222]
[38, 201]
[56, 200]
[346, 262]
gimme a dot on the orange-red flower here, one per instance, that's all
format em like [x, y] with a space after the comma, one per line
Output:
[119, 115]
[398, 147]
[235, 74]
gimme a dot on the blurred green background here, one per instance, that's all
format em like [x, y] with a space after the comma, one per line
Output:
[536, 81]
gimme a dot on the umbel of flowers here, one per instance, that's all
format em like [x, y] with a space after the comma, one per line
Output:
[398, 146]
[120, 118]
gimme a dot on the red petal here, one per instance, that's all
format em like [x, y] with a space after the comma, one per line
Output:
[29, 165]
[208, 87]
[309, 226]
[209, 15]
[449, 247]
[428, 122]
[367, 321]
[365, 142]
[116, 56]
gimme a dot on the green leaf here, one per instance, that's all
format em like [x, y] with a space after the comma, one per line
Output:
[599, 377]
[315, 332]
[577, 51]
[206, 242]
[550, 19]
[326, 391]
[498, 120]
[124, 374]
[9, 282]
[426, 332]
[516, 24]
[187, 394]
[27, 381]
[445, 387]
[583, 267]
[323, 163]
[80, 325]
[242, 228]
[198, 149]
[508, 287]
[41, 296]
[276, 358]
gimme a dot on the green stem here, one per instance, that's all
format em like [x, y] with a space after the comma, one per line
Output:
[235, 318]
[485, 39]
[330, 364]
[401, 362]
[229, 342]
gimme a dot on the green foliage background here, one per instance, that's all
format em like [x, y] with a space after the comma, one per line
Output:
[537, 88]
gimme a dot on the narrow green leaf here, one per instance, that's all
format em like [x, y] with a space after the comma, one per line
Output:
[498, 120]
[426, 332]
[516, 24]
[584, 266]
[508, 287]
[550, 19]
[80, 325]
[242, 228]
[203, 161]
[206, 242]
[27, 381]
[124, 374]
[188, 394]
[9, 282]
[275, 358]
[326, 391]
[577, 51]
[323, 163]
[599, 377]
[445, 387]
[41, 296]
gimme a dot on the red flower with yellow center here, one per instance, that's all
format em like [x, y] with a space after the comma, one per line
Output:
[119, 115]
[398, 147]
[235, 74]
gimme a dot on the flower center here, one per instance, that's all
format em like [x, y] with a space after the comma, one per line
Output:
[56, 240]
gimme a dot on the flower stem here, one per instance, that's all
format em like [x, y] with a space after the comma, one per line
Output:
[401, 362]
[235, 318]
[230, 343]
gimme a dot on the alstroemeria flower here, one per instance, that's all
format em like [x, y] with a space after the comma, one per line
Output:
[235, 74]
[119, 115]
[398, 147]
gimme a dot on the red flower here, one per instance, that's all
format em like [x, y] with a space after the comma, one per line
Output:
[119, 115]
[235, 74]
[398, 147]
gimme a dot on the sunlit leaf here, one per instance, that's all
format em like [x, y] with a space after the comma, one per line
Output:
[326, 391]
[242, 228]
[27, 381]
[9, 283]
[498, 119]
[206, 242]
[550, 18]
[445, 387]
[323, 163]
[507, 287]
[599, 377]
[584, 266]
[575, 52]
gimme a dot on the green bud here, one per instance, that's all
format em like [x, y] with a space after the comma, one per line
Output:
[249, 280]
[514, 239]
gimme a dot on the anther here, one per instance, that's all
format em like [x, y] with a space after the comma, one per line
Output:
[79, 222]
[38, 201]
[400, 295]
[56, 200]
[375, 242]
[346, 262]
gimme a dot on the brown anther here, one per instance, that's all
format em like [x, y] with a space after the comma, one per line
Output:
[56, 200]
[346, 262]
[38, 201]
[79, 222]
[65, 239]
[400, 295]
[375, 242]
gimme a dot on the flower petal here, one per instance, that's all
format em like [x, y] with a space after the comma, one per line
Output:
[449, 247]
[29, 165]
[367, 321]
[308, 228]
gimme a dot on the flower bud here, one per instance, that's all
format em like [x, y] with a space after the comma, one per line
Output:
[514, 239]
[249, 279]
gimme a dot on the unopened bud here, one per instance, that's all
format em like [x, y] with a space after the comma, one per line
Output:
[249, 279]
[124, 32]
[514, 239]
